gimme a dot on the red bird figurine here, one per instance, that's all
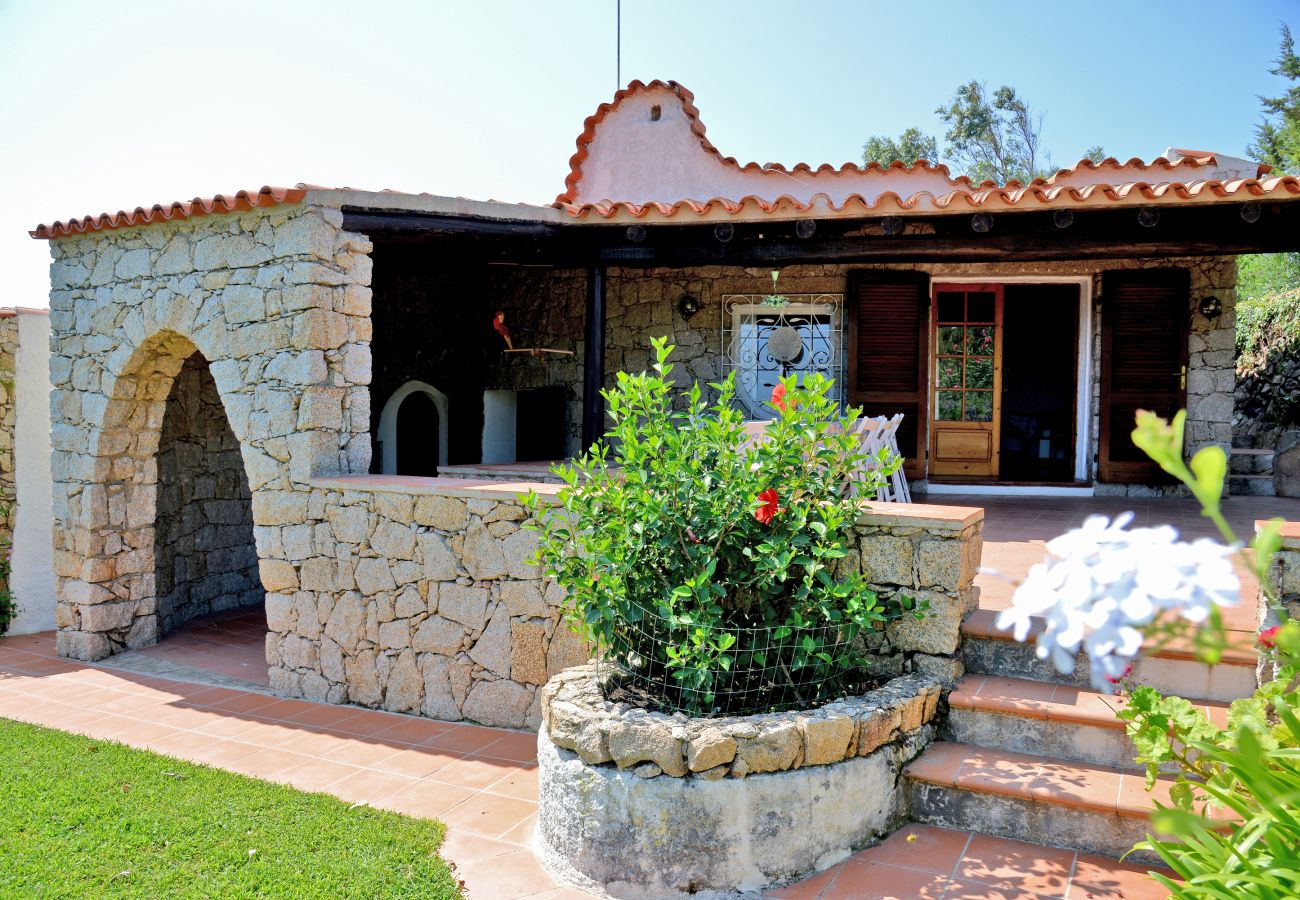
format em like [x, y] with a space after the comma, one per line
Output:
[499, 323]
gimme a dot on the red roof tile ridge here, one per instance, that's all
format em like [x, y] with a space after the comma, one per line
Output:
[180, 209]
[697, 127]
[1039, 190]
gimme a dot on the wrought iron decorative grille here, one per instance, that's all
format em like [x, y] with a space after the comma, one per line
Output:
[762, 343]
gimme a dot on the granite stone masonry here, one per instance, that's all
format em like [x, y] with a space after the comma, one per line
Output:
[277, 301]
[649, 804]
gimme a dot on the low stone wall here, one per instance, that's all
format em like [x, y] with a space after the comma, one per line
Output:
[651, 804]
[418, 595]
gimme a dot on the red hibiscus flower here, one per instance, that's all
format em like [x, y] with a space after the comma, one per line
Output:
[771, 506]
[1268, 637]
[778, 398]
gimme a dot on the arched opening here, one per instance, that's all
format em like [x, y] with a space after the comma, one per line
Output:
[413, 430]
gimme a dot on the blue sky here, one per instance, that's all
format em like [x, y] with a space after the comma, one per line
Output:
[110, 105]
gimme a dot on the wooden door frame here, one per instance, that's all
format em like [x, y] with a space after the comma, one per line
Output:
[995, 450]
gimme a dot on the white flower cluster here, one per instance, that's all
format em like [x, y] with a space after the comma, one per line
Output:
[1102, 584]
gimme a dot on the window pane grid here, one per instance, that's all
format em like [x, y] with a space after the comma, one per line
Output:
[964, 357]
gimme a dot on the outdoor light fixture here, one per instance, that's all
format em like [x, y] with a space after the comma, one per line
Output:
[1211, 307]
[805, 228]
[891, 225]
[1250, 213]
[688, 305]
[1148, 216]
[636, 233]
[1063, 218]
[982, 222]
[724, 231]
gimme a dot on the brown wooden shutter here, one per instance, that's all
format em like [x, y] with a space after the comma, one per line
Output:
[889, 352]
[1144, 320]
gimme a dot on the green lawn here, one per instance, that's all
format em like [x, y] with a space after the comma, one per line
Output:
[87, 818]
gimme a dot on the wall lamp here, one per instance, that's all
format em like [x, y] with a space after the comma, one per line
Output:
[688, 305]
[1211, 307]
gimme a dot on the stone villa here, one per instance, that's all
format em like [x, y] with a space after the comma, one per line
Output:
[252, 391]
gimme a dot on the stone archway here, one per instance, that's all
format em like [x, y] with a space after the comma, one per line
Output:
[163, 527]
[204, 551]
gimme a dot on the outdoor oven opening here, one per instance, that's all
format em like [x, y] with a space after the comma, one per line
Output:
[206, 564]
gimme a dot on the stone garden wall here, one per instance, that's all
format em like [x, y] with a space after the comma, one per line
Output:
[406, 595]
[277, 300]
[8, 422]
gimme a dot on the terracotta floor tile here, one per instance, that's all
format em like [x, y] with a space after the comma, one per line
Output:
[999, 772]
[860, 880]
[475, 772]
[809, 888]
[362, 752]
[465, 738]
[426, 799]
[268, 734]
[315, 775]
[419, 762]
[939, 763]
[183, 744]
[224, 753]
[489, 815]
[517, 747]
[1092, 787]
[923, 847]
[522, 834]
[521, 783]
[1022, 697]
[325, 715]
[413, 730]
[976, 890]
[466, 846]
[370, 787]
[1134, 799]
[516, 874]
[1100, 878]
[1017, 865]
[244, 702]
[267, 762]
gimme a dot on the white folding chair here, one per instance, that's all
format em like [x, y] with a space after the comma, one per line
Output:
[900, 492]
[868, 430]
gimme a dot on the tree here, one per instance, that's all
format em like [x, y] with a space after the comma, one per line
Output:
[995, 138]
[1277, 138]
[912, 145]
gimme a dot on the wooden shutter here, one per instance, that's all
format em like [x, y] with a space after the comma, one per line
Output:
[889, 352]
[1144, 320]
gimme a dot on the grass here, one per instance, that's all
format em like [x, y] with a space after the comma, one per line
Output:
[87, 818]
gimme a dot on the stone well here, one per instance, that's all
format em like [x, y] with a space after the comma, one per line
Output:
[645, 804]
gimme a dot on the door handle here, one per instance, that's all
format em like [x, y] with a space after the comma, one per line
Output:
[1182, 378]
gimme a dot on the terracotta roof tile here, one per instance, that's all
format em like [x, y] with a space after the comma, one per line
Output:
[181, 209]
[633, 165]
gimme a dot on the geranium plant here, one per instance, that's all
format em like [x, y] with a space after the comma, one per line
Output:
[1233, 827]
[709, 565]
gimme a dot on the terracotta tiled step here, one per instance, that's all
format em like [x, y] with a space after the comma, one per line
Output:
[988, 651]
[928, 863]
[1056, 720]
[1081, 806]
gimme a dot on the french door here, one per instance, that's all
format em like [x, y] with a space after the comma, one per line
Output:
[966, 398]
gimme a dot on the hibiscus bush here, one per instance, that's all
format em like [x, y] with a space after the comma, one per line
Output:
[705, 562]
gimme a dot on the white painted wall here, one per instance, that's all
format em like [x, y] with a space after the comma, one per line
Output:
[498, 427]
[32, 578]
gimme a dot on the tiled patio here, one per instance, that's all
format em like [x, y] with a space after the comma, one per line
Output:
[228, 647]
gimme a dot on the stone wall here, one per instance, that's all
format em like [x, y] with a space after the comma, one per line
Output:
[278, 301]
[206, 558]
[417, 598]
[417, 308]
[8, 421]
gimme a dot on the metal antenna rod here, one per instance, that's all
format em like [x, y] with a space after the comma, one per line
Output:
[618, 45]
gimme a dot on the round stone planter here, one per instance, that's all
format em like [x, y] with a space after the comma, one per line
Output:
[647, 804]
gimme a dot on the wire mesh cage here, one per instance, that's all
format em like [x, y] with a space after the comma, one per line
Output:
[763, 668]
